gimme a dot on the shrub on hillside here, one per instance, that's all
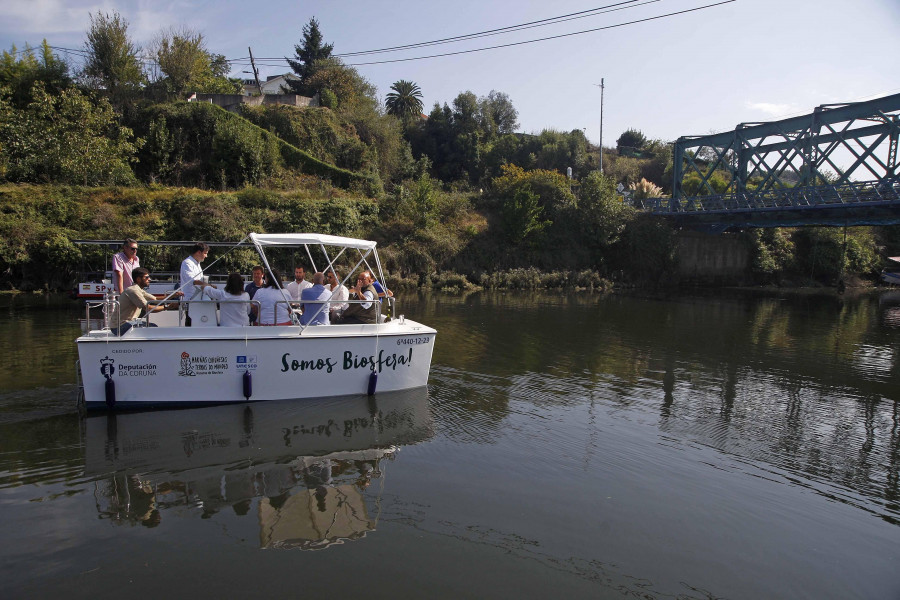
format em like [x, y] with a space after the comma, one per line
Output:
[65, 138]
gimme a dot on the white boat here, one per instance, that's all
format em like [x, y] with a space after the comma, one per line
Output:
[892, 273]
[169, 364]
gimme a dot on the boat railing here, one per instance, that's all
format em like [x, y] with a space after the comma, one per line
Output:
[386, 301]
[111, 310]
[184, 307]
[110, 313]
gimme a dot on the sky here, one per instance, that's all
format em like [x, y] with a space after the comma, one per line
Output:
[693, 73]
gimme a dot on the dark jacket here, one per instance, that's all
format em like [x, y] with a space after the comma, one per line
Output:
[355, 313]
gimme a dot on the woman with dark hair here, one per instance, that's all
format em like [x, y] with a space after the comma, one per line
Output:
[235, 308]
[274, 307]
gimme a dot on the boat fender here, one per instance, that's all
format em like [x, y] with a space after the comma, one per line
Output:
[110, 392]
[373, 381]
[248, 385]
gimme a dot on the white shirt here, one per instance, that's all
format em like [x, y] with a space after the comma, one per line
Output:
[294, 288]
[191, 271]
[368, 296]
[342, 294]
[268, 298]
[231, 314]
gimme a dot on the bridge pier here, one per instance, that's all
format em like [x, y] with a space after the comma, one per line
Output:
[706, 259]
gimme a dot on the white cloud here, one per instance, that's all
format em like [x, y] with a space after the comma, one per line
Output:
[772, 109]
[54, 18]
[45, 17]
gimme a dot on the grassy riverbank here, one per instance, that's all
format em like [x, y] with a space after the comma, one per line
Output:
[429, 236]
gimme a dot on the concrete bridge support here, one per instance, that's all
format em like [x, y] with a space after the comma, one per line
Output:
[705, 259]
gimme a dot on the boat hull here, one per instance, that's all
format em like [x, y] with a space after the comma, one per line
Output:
[171, 367]
[890, 277]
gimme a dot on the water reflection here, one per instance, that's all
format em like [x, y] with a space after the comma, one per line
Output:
[303, 470]
[804, 386]
[37, 335]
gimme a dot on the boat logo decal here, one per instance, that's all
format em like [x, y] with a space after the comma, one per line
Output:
[245, 363]
[186, 370]
[107, 367]
[192, 366]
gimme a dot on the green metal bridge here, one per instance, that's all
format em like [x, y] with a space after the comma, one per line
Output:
[836, 167]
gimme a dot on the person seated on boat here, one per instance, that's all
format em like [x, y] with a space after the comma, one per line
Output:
[382, 291]
[123, 265]
[340, 291]
[259, 275]
[274, 307]
[363, 307]
[192, 283]
[296, 287]
[315, 313]
[135, 299]
[235, 308]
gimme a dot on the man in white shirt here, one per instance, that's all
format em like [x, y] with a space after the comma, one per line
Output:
[192, 276]
[296, 287]
[341, 293]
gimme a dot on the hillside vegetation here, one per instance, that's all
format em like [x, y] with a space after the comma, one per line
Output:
[456, 199]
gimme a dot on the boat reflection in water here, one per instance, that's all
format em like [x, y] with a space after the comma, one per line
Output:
[305, 467]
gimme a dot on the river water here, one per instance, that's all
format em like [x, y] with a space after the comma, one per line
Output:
[730, 445]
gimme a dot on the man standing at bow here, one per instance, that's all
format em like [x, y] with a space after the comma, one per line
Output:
[123, 263]
[192, 276]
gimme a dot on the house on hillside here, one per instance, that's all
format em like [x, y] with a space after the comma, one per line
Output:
[272, 93]
[272, 85]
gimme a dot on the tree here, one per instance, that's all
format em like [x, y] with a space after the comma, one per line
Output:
[466, 113]
[19, 71]
[604, 215]
[522, 214]
[307, 54]
[630, 142]
[181, 57]
[65, 138]
[465, 141]
[111, 58]
[405, 101]
[188, 66]
[215, 80]
[551, 187]
[349, 87]
[498, 115]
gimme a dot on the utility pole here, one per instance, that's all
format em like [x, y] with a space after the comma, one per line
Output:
[600, 85]
[256, 74]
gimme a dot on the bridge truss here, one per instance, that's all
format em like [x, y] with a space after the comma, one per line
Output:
[793, 171]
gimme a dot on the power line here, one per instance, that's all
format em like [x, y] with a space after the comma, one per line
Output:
[277, 61]
[508, 29]
[552, 37]
[541, 23]
[280, 61]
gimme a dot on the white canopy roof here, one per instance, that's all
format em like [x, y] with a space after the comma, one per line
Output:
[301, 239]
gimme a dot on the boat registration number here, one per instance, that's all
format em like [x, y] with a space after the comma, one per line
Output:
[412, 341]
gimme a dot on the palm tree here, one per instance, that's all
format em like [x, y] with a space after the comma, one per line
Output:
[405, 101]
